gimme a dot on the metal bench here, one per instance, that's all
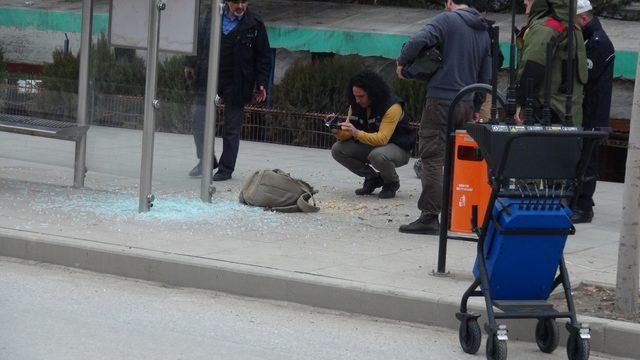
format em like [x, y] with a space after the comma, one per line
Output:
[42, 127]
[53, 129]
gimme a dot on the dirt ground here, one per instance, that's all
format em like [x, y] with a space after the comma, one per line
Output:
[595, 301]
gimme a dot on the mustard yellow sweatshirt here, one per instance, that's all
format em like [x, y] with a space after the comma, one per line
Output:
[387, 127]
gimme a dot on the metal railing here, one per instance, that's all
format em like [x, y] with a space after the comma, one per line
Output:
[123, 111]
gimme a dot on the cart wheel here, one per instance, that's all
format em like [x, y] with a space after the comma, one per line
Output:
[547, 336]
[577, 347]
[496, 349]
[471, 338]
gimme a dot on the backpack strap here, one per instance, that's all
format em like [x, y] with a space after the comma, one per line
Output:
[305, 206]
[301, 205]
[555, 24]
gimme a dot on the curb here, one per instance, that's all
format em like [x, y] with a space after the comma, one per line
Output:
[608, 336]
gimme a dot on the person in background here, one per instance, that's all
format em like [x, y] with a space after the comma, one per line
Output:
[376, 137]
[596, 104]
[548, 21]
[245, 65]
[463, 37]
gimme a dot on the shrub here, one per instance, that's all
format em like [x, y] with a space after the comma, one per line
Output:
[114, 78]
[62, 73]
[175, 112]
[413, 93]
[124, 76]
[59, 101]
[317, 86]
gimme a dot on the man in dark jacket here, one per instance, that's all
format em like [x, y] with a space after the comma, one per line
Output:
[597, 99]
[376, 135]
[463, 38]
[245, 64]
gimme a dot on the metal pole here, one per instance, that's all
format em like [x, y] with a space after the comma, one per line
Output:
[445, 211]
[495, 35]
[447, 180]
[211, 113]
[151, 104]
[568, 116]
[79, 167]
[511, 92]
[629, 248]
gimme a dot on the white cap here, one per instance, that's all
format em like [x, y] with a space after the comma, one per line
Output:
[583, 6]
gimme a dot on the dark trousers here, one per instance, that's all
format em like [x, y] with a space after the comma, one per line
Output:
[359, 158]
[585, 198]
[432, 148]
[233, 119]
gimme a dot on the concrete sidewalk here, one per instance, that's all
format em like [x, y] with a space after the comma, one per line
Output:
[349, 256]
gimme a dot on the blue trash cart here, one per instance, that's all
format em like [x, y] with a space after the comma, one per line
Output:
[535, 172]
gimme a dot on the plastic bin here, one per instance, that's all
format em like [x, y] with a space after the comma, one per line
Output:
[522, 266]
[470, 183]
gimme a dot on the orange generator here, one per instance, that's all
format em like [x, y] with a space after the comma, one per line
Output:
[470, 184]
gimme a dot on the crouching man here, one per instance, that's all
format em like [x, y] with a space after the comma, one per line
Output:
[376, 138]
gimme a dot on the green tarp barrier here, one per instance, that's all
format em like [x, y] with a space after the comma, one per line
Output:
[624, 66]
[47, 20]
[342, 42]
[337, 41]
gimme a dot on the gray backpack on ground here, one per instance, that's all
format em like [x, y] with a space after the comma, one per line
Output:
[278, 191]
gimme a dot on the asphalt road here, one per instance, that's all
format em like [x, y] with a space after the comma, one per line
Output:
[52, 312]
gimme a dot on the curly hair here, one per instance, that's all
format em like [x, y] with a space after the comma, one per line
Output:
[375, 87]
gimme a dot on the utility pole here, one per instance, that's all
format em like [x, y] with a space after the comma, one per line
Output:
[629, 251]
[80, 165]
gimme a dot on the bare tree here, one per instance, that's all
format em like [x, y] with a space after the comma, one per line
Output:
[629, 251]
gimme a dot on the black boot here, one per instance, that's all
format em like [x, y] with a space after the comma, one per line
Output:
[582, 216]
[370, 185]
[221, 175]
[426, 224]
[389, 190]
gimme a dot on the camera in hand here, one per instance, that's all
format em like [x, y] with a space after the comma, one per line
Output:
[333, 122]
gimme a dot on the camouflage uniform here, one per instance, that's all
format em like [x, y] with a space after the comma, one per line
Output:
[548, 20]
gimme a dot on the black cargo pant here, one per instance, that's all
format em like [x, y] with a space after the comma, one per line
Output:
[233, 119]
[432, 143]
[585, 198]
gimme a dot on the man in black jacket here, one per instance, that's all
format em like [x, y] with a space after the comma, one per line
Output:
[245, 64]
[597, 99]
